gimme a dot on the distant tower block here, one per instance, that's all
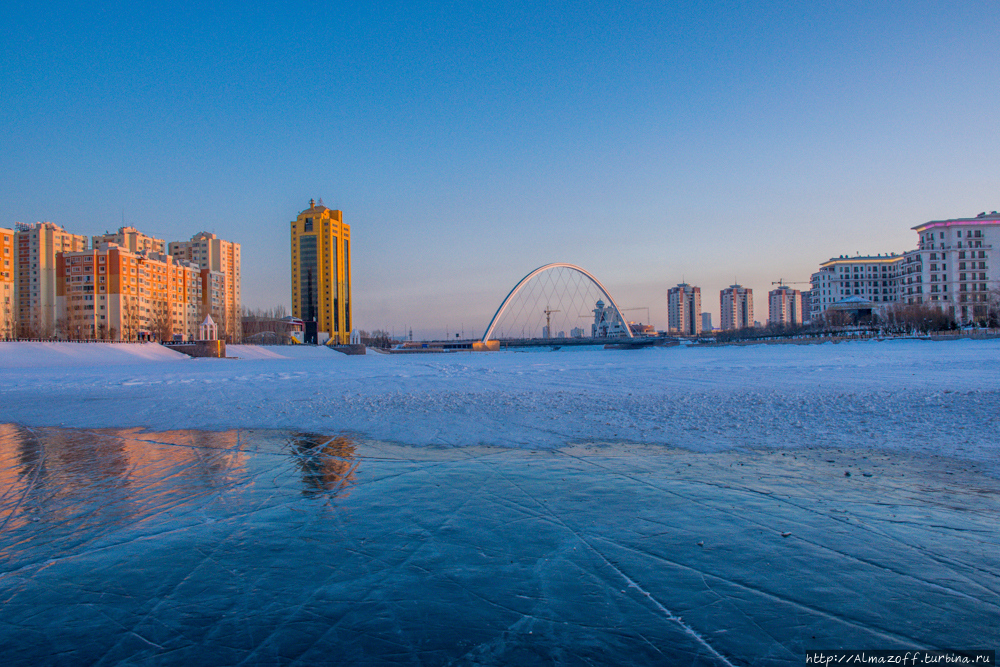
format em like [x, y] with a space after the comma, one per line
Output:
[684, 310]
[736, 308]
[785, 306]
[321, 273]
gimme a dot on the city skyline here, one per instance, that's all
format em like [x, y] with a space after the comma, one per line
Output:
[469, 145]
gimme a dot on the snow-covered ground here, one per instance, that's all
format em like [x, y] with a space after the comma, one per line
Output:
[933, 397]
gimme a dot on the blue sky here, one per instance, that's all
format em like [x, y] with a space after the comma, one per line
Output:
[468, 143]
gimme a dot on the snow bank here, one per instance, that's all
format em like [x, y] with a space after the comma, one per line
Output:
[934, 397]
[258, 352]
[41, 355]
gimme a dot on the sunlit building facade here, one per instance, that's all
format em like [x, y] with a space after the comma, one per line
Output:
[222, 257]
[37, 245]
[130, 239]
[321, 273]
[113, 293]
[8, 268]
[955, 267]
[684, 310]
[736, 308]
[784, 306]
[868, 282]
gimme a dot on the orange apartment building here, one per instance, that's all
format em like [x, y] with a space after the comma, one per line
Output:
[123, 286]
[8, 266]
[112, 292]
[214, 255]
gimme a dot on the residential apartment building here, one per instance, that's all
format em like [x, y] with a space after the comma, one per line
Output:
[806, 298]
[955, 266]
[784, 306]
[8, 268]
[736, 304]
[213, 295]
[37, 246]
[216, 255]
[706, 321]
[871, 281]
[684, 310]
[111, 292]
[130, 239]
[321, 273]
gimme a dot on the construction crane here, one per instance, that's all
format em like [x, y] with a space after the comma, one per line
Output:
[782, 282]
[646, 308]
[548, 321]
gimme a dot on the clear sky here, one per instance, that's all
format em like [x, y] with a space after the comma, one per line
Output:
[468, 143]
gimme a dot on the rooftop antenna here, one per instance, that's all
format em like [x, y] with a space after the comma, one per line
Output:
[320, 201]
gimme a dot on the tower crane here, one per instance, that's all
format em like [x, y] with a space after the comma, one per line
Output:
[548, 320]
[646, 308]
[782, 282]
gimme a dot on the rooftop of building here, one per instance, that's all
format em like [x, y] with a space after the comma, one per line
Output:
[28, 226]
[862, 259]
[315, 207]
[984, 218]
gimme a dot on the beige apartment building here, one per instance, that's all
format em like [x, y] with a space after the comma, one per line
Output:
[222, 257]
[955, 266]
[784, 306]
[684, 310]
[131, 239]
[37, 245]
[736, 306]
[852, 282]
[8, 267]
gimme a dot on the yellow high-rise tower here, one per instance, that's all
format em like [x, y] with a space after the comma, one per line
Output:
[321, 273]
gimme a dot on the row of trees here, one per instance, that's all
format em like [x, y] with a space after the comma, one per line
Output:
[378, 338]
[266, 326]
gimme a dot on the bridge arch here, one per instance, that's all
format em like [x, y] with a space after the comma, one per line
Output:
[542, 269]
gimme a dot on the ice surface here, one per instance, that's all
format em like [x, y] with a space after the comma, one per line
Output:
[913, 395]
[266, 547]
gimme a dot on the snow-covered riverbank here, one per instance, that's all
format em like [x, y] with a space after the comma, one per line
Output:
[933, 397]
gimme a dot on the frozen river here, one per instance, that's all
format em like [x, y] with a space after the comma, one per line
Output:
[676, 506]
[268, 547]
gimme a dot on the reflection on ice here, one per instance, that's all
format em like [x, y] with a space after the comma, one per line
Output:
[264, 547]
[327, 463]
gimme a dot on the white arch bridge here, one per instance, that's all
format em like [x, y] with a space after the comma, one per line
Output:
[570, 285]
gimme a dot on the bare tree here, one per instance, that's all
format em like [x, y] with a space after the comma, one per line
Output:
[8, 322]
[266, 325]
[993, 305]
[377, 338]
[130, 317]
[913, 318]
[160, 322]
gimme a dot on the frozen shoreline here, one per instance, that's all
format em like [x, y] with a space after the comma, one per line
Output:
[925, 397]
